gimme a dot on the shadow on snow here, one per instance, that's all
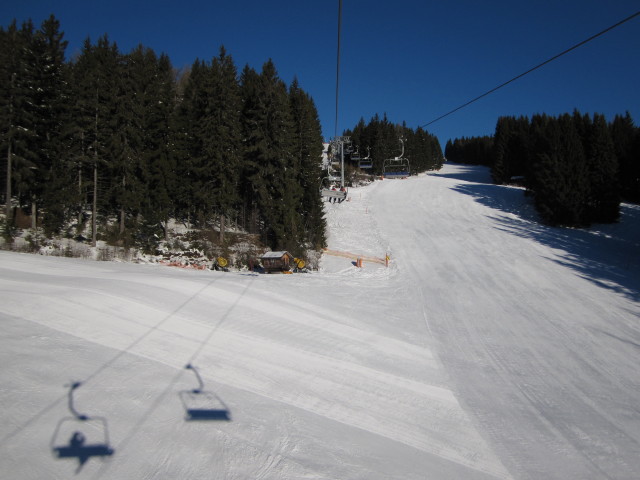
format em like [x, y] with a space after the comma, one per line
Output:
[606, 254]
[87, 436]
[200, 404]
[467, 173]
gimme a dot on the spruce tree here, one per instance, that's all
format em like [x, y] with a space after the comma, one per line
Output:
[186, 148]
[510, 149]
[221, 139]
[161, 177]
[604, 202]
[307, 151]
[500, 166]
[11, 44]
[53, 99]
[250, 179]
[95, 92]
[18, 116]
[126, 145]
[268, 154]
[562, 180]
[626, 141]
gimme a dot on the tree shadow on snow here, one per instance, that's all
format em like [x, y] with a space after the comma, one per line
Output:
[511, 200]
[607, 255]
[467, 173]
[200, 404]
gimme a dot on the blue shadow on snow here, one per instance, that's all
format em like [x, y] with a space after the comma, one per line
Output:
[607, 255]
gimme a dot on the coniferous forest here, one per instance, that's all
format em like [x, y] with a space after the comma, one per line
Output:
[124, 142]
[577, 167]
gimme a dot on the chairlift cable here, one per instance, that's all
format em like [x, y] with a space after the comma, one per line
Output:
[630, 17]
[123, 351]
[335, 132]
[135, 429]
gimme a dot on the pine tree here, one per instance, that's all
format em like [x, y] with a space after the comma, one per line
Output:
[126, 144]
[307, 150]
[268, 157]
[53, 101]
[221, 139]
[511, 147]
[626, 140]
[161, 175]
[604, 203]
[429, 152]
[562, 181]
[358, 137]
[10, 47]
[437, 159]
[95, 92]
[372, 136]
[18, 116]
[500, 168]
[186, 148]
[250, 178]
[44, 55]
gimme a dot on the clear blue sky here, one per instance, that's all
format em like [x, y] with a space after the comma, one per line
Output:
[413, 60]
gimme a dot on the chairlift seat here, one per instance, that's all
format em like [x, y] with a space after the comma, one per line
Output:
[203, 405]
[328, 193]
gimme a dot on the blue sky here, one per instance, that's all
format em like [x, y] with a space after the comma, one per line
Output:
[413, 60]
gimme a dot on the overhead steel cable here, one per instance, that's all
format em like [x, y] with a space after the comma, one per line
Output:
[335, 132]
[135, 429]
[122, 352]
[534, 68]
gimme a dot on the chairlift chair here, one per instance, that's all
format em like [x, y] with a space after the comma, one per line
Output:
[366, 162]
[328, 189]
[397, 167]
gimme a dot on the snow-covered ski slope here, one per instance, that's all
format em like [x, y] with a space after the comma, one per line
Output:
[492, 347]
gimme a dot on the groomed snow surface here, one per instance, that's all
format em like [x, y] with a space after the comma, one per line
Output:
[491, 348]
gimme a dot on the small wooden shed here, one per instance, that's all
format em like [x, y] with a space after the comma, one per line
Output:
[277, 261]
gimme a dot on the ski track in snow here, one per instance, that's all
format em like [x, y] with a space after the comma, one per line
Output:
[490, 348]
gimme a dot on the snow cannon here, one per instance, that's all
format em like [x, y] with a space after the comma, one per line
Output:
[220, 263]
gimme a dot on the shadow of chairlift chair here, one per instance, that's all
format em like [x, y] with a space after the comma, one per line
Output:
[85, 436]
[200, 404]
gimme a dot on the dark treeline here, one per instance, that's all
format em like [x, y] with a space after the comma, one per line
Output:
[381, 137]
[472, 150]
[577, 167]
[123, 141]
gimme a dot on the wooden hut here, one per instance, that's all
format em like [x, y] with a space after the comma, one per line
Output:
[277, 262]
